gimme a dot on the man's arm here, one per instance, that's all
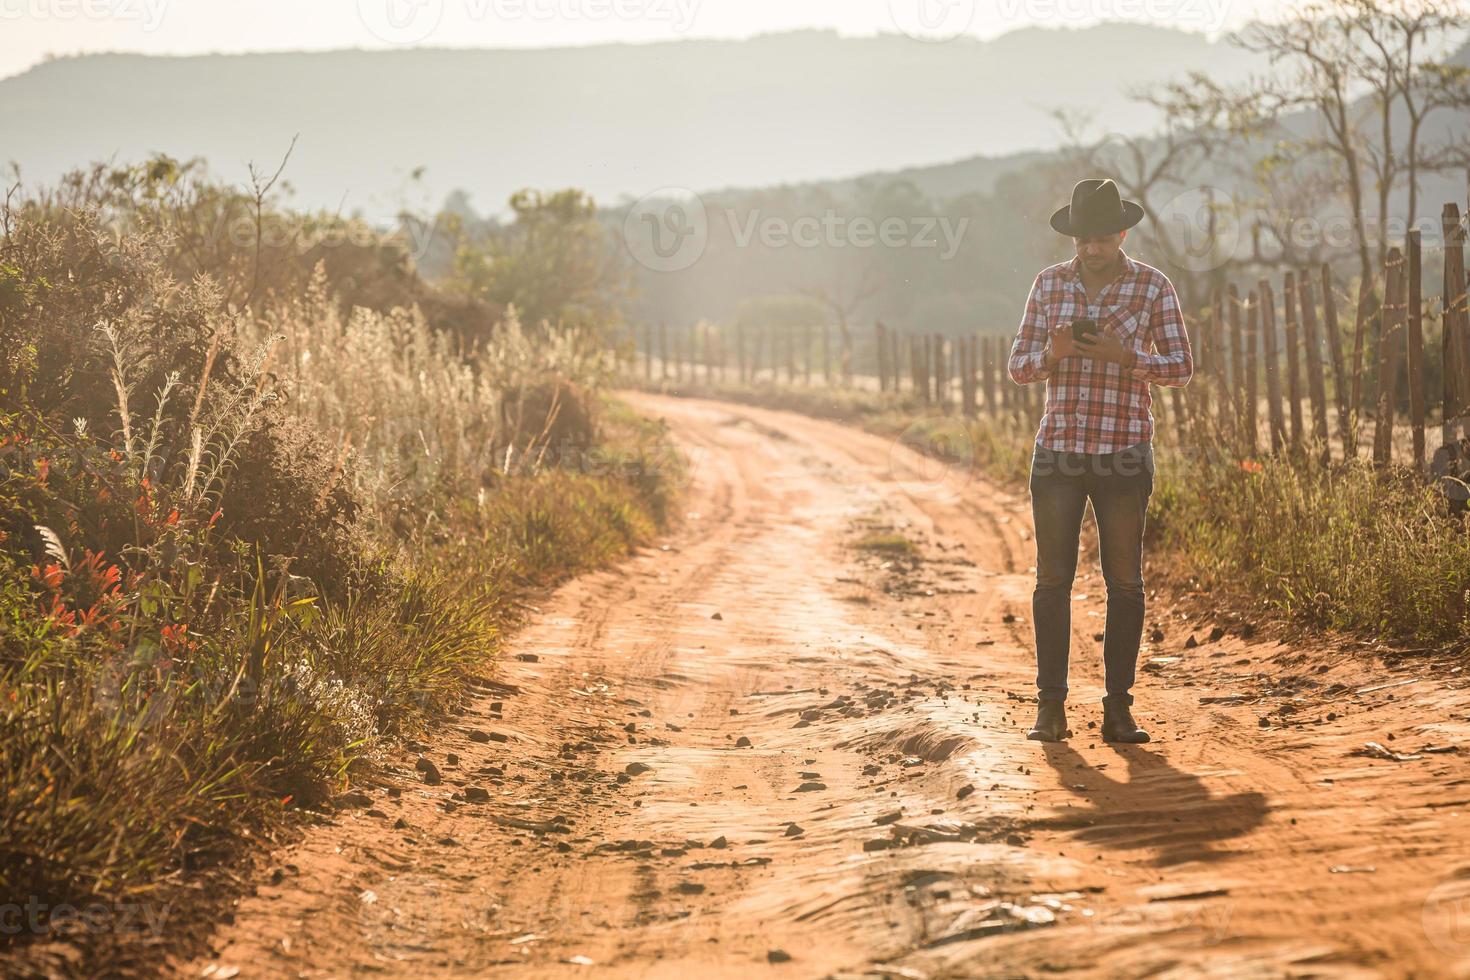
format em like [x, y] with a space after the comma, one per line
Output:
[1171, 362]
[1028, 362]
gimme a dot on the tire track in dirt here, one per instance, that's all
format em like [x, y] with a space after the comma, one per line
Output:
[872, 696]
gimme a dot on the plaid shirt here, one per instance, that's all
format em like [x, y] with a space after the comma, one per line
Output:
[1095, 406]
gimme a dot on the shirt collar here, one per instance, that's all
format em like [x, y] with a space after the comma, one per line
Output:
[1131, 270]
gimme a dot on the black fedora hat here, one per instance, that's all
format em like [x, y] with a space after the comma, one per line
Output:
[1096, 210]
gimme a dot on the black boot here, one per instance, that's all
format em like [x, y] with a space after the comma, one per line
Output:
[1118, 724]
[1051, 722]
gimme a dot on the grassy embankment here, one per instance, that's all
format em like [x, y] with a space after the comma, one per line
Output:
[260, 516]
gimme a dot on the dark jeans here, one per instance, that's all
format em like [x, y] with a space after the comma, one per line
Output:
[1118, 484]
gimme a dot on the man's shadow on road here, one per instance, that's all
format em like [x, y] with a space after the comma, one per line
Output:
[1157, 807]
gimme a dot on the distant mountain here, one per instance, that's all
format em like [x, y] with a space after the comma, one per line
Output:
[617, 120]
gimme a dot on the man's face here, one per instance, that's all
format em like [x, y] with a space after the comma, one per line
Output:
[1099, 254]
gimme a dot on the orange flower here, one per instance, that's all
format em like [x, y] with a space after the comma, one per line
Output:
[1251, 466]
[50, 578]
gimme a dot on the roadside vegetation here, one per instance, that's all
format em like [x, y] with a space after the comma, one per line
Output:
[267, 502]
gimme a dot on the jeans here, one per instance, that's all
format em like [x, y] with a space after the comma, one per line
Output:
[1118, 484]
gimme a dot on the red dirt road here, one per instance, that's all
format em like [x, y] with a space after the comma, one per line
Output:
[887, 816]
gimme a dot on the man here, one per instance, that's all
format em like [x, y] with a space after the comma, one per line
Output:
[1095, 437]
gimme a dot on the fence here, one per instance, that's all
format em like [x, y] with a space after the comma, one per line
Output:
[1262, 363]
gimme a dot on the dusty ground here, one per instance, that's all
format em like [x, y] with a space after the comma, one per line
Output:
[759, 749]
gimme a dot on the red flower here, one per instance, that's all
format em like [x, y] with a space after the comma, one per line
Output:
[50, 578]
[176, 637]
[1251, 466]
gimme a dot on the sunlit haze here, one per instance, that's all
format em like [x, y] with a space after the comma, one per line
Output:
[32, 30]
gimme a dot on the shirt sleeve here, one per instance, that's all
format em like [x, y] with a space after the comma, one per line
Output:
[1027, 363]
[1171, 362]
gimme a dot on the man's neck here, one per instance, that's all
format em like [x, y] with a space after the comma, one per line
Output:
[1095, 281]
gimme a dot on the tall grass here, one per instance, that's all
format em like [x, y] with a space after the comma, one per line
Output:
[243, 549]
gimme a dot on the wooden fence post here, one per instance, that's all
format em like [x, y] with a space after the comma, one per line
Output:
[1252, 372]
[941, 373]
[1389, 342]
[1237, 364]
[987, 372]
[826, 354]
[1312, 349]
[921, 377]
[882, 344]
[1339, 369]
[929, 384]
[1360, 330]
[893, 362]
[1415, 341]
[1272, 359]
[1293, 361]
[1220, 362]
[969, 345]
[1455, 344]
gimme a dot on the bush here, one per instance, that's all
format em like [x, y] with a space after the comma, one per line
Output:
[240, 546]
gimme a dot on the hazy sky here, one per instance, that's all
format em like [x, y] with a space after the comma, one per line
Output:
[31, 29]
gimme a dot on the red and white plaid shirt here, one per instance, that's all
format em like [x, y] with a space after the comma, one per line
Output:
[1095, 406]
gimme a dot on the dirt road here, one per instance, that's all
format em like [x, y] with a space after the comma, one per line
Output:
[759, 749]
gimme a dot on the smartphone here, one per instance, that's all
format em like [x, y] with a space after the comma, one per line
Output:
[1083, 327]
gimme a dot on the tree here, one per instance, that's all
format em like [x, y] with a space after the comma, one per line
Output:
[553, 261]
[1345, 70]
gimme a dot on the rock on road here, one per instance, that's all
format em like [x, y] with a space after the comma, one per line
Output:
[758, 749]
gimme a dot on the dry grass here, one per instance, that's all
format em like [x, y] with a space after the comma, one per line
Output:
[241, 549]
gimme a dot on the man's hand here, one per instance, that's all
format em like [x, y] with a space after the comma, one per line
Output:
[1106, 347]
[1059, 344]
